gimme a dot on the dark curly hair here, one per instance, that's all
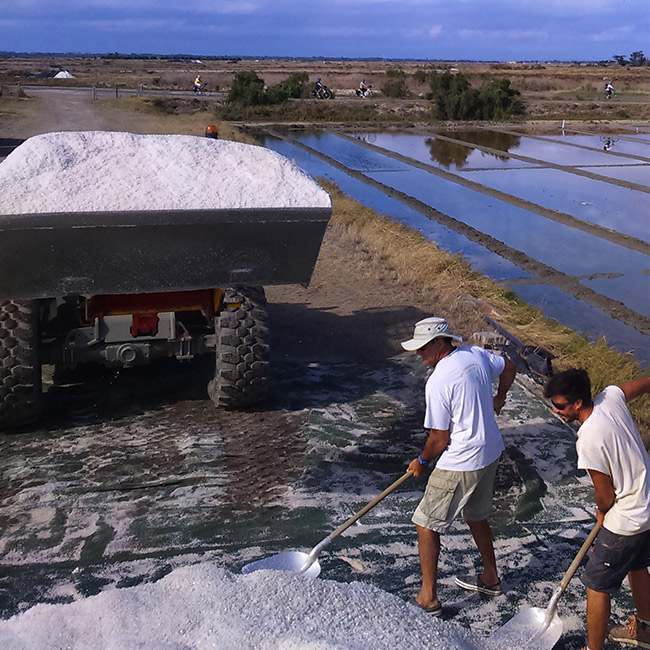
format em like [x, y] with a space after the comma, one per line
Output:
[573, 384]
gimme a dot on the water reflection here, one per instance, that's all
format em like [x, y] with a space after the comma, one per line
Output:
[450, 154]
[608, 142]
[528, 232]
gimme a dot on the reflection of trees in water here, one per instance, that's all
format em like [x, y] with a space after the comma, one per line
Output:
[452, 153]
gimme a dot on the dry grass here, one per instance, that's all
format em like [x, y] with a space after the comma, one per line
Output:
[549, 91]
[465, 296]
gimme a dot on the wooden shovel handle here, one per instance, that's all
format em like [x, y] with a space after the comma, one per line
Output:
[580, 556]
[370, 505]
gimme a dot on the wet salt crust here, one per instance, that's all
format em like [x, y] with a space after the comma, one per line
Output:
[108, 171]
[203, 606]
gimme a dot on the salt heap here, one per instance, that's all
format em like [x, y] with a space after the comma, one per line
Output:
[202, 606]
[108, 171]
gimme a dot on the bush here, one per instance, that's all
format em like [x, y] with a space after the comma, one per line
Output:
[295, 84]
[420, 76]
[395, 84]
[455, 99]
[247, 89]
[497, 100]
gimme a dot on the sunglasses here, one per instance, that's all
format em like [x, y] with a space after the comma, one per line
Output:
[560, 407]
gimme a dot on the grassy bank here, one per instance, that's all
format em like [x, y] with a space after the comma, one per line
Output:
[430, 275]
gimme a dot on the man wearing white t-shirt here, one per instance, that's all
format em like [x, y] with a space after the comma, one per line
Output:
[463, 432]
[611, 450]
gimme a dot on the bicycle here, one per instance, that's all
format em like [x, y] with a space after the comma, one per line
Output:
[323, 92]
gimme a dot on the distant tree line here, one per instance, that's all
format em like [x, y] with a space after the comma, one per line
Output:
[636, 60]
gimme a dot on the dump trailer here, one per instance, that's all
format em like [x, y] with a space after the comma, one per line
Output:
[118, 249]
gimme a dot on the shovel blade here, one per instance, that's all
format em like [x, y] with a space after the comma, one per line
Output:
[292, 561]
[528, 629]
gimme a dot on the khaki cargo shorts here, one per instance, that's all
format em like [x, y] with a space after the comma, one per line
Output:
[450, 494]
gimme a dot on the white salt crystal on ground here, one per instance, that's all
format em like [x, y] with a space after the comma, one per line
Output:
[109, 171]
[202, 606]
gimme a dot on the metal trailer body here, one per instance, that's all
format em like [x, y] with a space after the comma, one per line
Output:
[122, 288]
[57, 254]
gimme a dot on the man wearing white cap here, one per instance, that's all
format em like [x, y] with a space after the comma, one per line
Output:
[460, 412]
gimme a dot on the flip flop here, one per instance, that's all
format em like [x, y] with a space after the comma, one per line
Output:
[474, 583]
[434, 610]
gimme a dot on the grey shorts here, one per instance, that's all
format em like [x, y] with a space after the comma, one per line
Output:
[612, 557]
[450, 494]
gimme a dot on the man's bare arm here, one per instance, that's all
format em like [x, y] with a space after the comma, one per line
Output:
[635, 388]
[506, 378]
[604, 492]
[436, 443]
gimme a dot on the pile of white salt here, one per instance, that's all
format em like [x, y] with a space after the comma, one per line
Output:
[111, 171]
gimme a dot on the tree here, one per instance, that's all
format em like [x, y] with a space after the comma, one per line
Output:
[455, 99]
[247, 89]
[620, 59]
[498, 100]
[637, 59]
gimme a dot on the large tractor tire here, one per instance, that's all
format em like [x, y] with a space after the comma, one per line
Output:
[242, 352]
[20, 369]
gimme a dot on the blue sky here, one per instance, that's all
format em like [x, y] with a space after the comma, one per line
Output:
[427, 29]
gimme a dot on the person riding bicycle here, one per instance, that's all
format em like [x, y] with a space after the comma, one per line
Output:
[198, 84]
[320, 90]
[363, 89]
[609, 90]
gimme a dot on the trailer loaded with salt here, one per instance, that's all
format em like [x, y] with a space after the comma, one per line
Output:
[118, 249]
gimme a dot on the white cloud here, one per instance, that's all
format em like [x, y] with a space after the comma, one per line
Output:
[156, 7]
[503, 34]
[435, 31]
[611, 34]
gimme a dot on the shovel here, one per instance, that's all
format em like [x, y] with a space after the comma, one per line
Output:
[307, 563]
[535, 628]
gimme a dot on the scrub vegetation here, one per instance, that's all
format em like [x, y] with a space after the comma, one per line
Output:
[549, 91]
[455, 99]
[248, 89]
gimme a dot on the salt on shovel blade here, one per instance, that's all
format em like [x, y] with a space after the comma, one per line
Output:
[528, 630]
[290, 561]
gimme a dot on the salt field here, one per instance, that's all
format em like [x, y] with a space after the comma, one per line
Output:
[128, 514]
[560, 200]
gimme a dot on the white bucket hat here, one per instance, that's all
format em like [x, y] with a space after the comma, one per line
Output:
[428, 329]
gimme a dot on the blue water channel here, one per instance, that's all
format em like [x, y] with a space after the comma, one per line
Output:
[619, 208]
[623, 144]
[619, 271]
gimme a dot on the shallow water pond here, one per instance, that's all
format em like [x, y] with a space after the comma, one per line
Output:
[608, 268]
